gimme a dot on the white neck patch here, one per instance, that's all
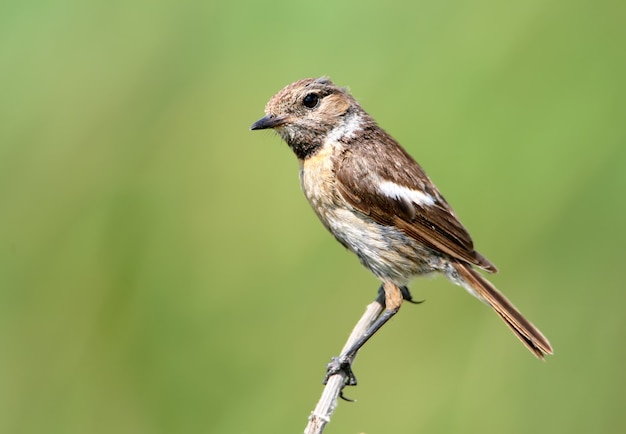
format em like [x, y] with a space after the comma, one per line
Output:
[347, 129]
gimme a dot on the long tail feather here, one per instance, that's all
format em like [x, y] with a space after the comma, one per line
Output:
[480, 287]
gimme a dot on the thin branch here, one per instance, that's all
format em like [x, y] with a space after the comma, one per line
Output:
[328, 401]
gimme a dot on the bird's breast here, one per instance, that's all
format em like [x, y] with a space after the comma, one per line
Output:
[317, 179]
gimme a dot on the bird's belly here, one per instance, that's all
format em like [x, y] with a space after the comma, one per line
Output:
[386, 251]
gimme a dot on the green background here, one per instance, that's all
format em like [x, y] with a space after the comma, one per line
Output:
[161, 272]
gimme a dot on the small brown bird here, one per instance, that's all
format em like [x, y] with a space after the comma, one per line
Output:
[379, 203]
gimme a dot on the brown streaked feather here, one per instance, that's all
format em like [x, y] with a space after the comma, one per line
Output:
[434, 226]
[530, 336]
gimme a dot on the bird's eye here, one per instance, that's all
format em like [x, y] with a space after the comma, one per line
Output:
[311, 100]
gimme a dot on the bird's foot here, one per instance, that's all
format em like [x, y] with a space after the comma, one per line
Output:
[340, 364]
[337, 365]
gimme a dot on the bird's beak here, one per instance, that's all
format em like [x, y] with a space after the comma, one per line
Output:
[269, 121]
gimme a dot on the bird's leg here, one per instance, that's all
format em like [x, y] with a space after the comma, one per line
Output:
[393, 296]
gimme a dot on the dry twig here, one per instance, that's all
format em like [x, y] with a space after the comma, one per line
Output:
[335, 384]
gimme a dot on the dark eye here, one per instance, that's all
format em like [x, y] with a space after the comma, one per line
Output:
[311, 100]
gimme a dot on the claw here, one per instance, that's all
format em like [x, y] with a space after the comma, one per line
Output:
[342, 396]
[406, 295]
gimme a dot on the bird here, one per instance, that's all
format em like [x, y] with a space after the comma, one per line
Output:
[378, 202]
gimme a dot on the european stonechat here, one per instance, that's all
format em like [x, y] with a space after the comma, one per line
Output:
[379, 203]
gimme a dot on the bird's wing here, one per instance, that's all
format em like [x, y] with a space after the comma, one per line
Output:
[394, 190]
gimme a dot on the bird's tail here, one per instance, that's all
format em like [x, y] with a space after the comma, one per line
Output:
[482, 289]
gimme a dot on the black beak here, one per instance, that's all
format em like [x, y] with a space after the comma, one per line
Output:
[268, 121]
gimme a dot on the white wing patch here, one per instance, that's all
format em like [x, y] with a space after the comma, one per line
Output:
[400, 192]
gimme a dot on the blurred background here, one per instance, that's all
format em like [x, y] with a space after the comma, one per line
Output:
[161, 272]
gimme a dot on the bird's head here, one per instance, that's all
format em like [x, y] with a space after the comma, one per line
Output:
[309, 112]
